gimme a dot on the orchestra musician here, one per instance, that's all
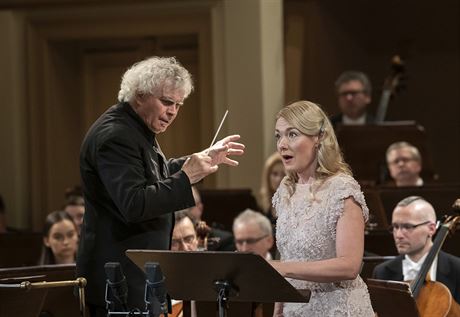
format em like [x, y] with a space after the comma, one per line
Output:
[405, 164]
[413, 226]
[354, 93]
[253, 233]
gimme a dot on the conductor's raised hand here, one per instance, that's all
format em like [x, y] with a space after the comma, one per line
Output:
[224, 148]
[198, 166]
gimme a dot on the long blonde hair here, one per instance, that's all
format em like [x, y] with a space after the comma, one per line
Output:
[309, 119]
[266, 191]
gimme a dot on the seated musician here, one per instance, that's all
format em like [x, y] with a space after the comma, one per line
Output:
[405, 164]
[253, 233]
[60, 239]
[354, 91]
[184, 238]
[413, 226]
[75, 205]
[218, 239]
[184, 234]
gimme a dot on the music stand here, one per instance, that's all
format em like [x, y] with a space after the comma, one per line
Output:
[388, 295]
[364, 147]
[245, 277]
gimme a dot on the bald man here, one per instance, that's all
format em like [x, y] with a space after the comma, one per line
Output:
[413, 225]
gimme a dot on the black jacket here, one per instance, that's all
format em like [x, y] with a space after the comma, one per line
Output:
[338, 118]
[447, 272]
[131, 192]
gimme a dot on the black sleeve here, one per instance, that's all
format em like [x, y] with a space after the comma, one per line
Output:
[377, 272]
[175, 165]
[122, 171]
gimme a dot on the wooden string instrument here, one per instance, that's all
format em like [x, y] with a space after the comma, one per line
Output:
[202, 233]
[391, 85]
[434, 298]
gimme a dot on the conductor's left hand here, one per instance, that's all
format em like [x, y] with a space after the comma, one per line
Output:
[223, 148]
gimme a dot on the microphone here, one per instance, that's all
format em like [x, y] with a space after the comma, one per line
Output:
[116, 281]
[156, 297]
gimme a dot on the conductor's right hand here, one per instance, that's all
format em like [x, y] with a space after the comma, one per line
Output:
[198, 166]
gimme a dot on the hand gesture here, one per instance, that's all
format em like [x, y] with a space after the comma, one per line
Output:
[220, 151]
[198, 166]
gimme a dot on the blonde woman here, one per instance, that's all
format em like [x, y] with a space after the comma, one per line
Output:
[321, 216]
[272, 174]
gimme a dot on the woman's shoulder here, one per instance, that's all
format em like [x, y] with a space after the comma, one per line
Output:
[341, 180]
[280, 192]
[345, 186]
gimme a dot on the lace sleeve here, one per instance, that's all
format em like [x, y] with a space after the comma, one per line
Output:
[276, 200]
[277, 196]
[347, 186]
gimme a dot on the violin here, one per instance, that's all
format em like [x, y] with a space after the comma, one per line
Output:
[176, 309]
[202, 233]
[392, 84]
[434, 298]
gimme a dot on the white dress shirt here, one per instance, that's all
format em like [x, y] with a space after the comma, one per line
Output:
[411, 268]
[349, 121]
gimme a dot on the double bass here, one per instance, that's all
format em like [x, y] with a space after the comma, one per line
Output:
[434, 298]
[392, 84]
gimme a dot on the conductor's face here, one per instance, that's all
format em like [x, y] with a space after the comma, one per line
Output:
[158, 112]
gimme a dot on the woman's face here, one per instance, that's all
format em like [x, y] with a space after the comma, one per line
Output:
[297, 150]
[62, 239]
[276, 175]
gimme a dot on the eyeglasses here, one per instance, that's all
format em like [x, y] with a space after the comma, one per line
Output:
[404, 160]
[186, 240]
[405, 227]
[249, 240]
[353, 93]
[168, 102]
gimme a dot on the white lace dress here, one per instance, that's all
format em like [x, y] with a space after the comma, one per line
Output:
[306, 230]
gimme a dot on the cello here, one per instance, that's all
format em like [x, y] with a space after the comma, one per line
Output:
[434, 298]
[391, 85]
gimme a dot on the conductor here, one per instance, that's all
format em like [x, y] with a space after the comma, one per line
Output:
[131, 190]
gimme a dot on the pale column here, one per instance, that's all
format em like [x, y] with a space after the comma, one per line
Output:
[249, 80]
[13, 121]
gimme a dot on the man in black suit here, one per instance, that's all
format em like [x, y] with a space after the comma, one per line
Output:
[354, 95]
[413, 226]
[130, 189]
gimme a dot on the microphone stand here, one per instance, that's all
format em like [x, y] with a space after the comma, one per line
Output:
[125, 311]
[224, 290]
[153, 306]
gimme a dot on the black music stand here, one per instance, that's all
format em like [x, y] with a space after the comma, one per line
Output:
[388, 295]
[200, 276]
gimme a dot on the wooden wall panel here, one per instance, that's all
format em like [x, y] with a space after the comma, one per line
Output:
[75, 76]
